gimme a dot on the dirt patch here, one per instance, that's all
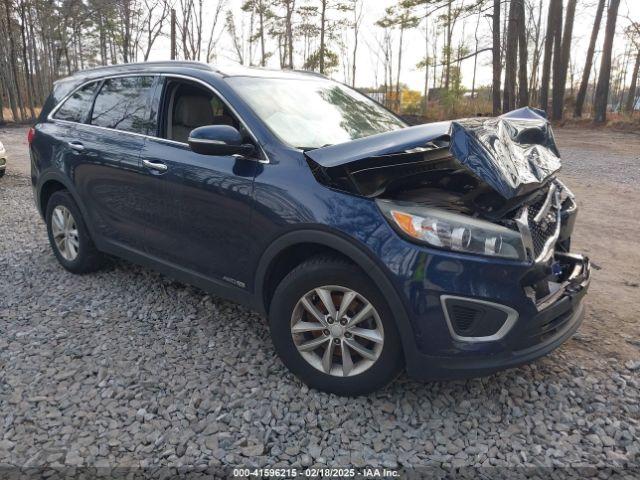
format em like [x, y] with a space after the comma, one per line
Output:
[603, 170]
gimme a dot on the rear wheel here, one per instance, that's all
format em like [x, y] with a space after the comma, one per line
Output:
[68, 235]
[333, 329]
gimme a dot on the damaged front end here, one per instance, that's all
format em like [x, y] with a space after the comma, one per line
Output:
[483, 186]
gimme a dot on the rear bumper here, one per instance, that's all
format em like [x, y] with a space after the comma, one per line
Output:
[531, 337]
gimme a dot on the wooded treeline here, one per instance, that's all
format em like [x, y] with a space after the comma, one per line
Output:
[529, 46]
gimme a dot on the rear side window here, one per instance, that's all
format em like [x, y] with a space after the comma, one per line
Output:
[76, 107]
[123, 104]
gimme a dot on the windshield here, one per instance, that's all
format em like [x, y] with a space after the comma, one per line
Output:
[312, 113]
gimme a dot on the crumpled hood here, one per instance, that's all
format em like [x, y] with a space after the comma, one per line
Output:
[513, 153]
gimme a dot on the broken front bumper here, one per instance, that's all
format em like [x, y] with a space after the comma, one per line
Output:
[545, 325]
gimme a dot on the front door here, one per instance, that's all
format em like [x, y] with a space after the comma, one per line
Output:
[203, 203]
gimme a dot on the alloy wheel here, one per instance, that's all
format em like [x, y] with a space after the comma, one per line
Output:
[337, 331]
[65, 233]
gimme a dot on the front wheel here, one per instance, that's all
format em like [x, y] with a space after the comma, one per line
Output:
[333, 329]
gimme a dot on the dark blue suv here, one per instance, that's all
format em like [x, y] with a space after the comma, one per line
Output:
[369, 245]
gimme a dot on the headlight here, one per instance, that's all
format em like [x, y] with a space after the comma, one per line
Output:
[460, 233]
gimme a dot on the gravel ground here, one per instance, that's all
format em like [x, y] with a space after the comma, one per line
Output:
[127, 368]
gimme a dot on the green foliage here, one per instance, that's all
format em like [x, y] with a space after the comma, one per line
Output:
[331, 61]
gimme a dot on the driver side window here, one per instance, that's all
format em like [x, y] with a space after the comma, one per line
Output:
[189, 106]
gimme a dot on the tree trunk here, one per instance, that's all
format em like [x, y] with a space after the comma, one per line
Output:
[398, 92]
[475, 58]
[548, 51]
[14, 68]
[560, 76]
[523, 77]
[435, 60]
[26, 62]
[289, 31]
[511, 60]
[631, 96]
[497, 64]
[263, 58]
[323, 14]
[126, 38]
[533, 82]
[356, 33]
[557, 58]
[174, 49]
[584, 84]
[447, 74]
[602, 88]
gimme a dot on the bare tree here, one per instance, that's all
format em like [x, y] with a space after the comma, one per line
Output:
[536, 26]
[214, 32]
[604, 78]
[357, 8]
[496, 60]
[154, 22]
[560, 75]
[554, 26]
[511, 65]
[262, 10]
[236, 37]
[523, 92]
[631, 95]
[584, 84]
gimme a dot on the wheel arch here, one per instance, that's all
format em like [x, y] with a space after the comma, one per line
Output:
[314, 242]
[52, 182]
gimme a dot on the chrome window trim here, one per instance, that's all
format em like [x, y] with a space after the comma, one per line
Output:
[512, 316]
[152, 137]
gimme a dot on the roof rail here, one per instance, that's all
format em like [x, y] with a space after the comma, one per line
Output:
[310, 72]
[161, 63]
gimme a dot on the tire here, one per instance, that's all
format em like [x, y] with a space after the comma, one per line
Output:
[288, 310]
[2, 173]
[87, 258]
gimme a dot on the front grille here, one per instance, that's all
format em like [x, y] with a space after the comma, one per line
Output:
[536, 235]
[542, 231]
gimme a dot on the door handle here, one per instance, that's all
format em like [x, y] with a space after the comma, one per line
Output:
[77, 146]
[158, 166]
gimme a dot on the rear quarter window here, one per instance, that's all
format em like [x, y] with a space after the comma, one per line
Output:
[123, 104]
[77, 106]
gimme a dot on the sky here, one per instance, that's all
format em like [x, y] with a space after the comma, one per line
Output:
[414, 42]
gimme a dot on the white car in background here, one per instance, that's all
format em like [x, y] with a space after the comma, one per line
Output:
[3, 160]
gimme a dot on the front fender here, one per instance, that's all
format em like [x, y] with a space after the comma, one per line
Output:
[358, 255]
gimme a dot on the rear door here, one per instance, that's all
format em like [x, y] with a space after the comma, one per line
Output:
[117, 125]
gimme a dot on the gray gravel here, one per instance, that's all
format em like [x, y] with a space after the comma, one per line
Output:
[128, 368]
[600, 153]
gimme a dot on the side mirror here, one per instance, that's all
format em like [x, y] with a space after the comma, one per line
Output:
[218, 140]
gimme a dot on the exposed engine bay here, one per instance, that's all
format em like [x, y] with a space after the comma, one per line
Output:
[498, 170]
[478, 166]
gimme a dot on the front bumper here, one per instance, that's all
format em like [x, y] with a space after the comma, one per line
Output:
[542, 325]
